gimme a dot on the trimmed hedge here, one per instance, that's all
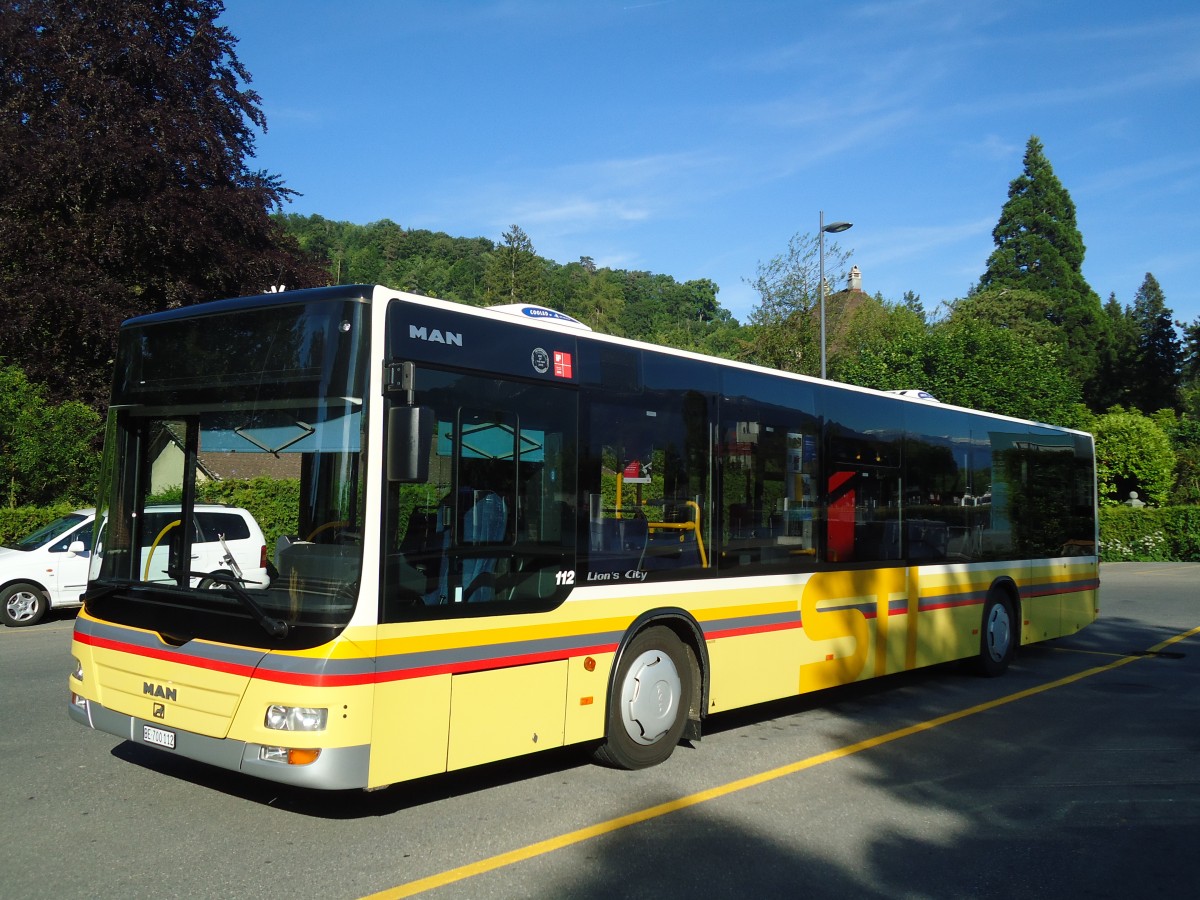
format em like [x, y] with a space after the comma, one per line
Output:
[272, 502]
[1158, 534]
[18, 521]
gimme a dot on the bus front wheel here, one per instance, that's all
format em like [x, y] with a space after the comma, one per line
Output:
[997, 636]
[651, 696]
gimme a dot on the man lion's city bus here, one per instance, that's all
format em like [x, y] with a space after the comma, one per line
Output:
[490, 532]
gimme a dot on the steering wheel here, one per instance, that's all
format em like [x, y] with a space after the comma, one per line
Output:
[338, 524]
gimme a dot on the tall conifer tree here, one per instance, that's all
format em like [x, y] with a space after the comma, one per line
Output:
[1117, 357]
[1039, 248]
[1190, 362]
[515, 273]
[1156, 377]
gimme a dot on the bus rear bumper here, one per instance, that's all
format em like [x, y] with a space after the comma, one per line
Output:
[335, 769]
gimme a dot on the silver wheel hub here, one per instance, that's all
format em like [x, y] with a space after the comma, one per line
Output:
[650, 697]
[998, 631]
[21, 606]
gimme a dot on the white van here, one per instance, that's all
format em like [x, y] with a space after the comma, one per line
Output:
[48, 569]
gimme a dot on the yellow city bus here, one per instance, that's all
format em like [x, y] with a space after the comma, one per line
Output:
[491, 532]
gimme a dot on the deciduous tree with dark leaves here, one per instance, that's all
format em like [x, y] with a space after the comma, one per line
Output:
[126, 128]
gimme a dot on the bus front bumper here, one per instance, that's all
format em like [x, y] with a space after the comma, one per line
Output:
[338, 768]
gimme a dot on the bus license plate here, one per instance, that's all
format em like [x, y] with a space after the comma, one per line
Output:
[158, 736]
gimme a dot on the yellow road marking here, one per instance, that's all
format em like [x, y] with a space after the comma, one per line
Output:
[1107, 653]
[559, 842]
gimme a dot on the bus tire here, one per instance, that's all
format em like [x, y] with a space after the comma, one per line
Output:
[997, 637]
[649, 702]
[22, 603]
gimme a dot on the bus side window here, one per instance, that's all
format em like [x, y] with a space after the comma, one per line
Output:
[650, 496]
[863, 520]
[769, 491]
[492, 524]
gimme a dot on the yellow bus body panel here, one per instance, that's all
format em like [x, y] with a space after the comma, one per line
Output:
[434, 696]
[411, 730]
[752, 669]
[506, 712]
[587, 697]
[164, 692]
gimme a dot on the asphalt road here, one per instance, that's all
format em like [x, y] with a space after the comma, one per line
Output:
[1077, 774]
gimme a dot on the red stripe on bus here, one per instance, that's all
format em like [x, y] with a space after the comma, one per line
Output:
[483, 665]
[950, 604]
[752, 629]
[1070, 589]
[198, 662]
[303, 679]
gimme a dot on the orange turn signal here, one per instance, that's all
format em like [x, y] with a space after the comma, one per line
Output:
[302, 757]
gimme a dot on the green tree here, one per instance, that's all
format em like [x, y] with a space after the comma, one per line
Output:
[785, 325]
[1039, 248]
[1189, 393]
[515, 273]
[884, 346]
[1023, 311]
[1189, 362]
[47, 452]
[416, 260]
[1132, 453]
[912, 302]
[126, 128]
[1185, 439]
[1116, 357]
[589, 294]
[960, 360]
[1183, 430]
[1155, 378]
[985, 367]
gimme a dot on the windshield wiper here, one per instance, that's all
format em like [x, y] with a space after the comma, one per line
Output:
[103, 589]
[276, 628]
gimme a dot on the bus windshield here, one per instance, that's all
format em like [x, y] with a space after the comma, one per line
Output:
[231, 495]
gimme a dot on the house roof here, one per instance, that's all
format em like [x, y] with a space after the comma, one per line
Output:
[224, 465]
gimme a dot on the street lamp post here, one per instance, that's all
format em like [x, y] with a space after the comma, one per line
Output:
[832, 228]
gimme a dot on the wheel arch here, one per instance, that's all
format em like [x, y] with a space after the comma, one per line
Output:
[42, 589]
[691, 635]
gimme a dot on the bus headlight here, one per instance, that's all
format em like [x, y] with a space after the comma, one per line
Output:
[77, 672]
[295, 718]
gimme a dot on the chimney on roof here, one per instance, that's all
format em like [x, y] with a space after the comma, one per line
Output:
[854, 282]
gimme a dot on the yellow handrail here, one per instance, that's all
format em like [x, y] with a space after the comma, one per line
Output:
[150, 556]
[685, 526]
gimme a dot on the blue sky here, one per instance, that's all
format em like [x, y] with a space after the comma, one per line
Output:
[695, 138]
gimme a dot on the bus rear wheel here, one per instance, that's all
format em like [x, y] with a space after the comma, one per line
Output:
[997, 637]
[651, 696]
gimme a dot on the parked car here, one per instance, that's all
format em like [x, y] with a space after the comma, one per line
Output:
[48, 569]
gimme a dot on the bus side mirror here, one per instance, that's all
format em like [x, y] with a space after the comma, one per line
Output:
[409, 433]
